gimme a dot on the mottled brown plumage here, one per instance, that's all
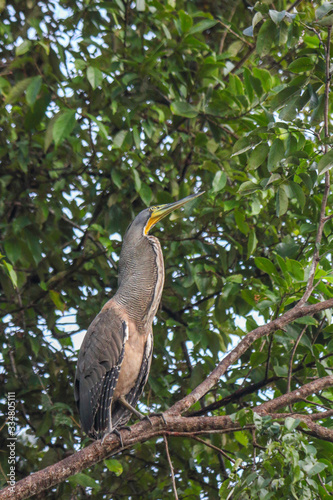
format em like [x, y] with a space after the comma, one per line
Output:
[115, 356]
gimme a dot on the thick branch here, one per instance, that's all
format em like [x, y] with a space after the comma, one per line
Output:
[301, 393]
[297, 312]
[94, 453]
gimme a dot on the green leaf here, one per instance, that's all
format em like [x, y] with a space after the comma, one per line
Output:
[277, 16]
[12, 249]
[101, 127]
[265, 37]
[10, 271]
[17, 90]
[298, 193]
[119, 139]
[251, 243]
[23, 48]
[318, 112]
[85, 481]
[95, 76]
[114, 466]
[241, 437]
[248, 31]
[80, 64]
[57, 300]
[258, 156]
[266, 265]
[204, 25]
[146, 194]
[316, 468]
[301, 65]
[137, 180]
[325, 163]
[248, 187]
[219, 181]
[289, 112]
[295, 269]
[136, 137]
[182, 108]
[244, 144]
[63, 126]
[307, 320]
[324, 9]
[281, 201]
[33, 90]
[186, 21]
[240, 221]
[275, 155]
[291, 423]
[256, 19]
[258, 358]
[282, 97]
[48, 137]
[281, 371]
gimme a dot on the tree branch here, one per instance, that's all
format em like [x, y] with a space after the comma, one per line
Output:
[171, 467]
[95, 452]
[175, 426]
[300, 393]
[297, 312]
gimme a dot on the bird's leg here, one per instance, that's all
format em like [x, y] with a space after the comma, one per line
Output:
[127, 405]
[135, 412]
[115, 431]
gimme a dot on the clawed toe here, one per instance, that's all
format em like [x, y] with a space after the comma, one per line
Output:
[117, 433]
[158, 414]
[126, 428]
[147, 417]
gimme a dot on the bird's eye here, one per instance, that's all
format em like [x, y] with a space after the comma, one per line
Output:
[152, 209]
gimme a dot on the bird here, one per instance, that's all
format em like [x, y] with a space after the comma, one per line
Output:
[115, 356]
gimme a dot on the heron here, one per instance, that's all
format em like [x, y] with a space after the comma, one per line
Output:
[115, 356]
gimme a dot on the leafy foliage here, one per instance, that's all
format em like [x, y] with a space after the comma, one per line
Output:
[108, 107]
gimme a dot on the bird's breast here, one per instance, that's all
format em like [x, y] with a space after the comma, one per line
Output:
[131, 365]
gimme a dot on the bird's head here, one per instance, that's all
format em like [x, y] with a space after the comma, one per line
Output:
[149, 217]
[156, 213]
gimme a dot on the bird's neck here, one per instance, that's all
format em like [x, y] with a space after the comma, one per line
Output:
[141, 280]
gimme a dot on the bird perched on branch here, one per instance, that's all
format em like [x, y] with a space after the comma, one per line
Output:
[115, 356]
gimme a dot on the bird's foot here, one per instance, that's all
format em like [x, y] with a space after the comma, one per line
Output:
[156, 414]
[118, 434]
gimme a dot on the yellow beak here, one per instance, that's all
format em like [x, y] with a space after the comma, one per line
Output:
[160, 211]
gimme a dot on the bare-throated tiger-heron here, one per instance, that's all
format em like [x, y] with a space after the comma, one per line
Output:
[115, 356]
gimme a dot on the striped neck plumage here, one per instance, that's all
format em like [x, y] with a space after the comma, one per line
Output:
[141, 280]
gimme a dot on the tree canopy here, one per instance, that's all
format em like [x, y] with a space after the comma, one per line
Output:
[108, 107]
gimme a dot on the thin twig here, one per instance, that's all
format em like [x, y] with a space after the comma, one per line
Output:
[236, 34]
[225, 33]
[215, 448]
[254, 449]
[323, 485]
[291, 361]
[171, 467]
